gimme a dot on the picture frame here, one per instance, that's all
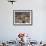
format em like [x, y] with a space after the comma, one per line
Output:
[22, 17]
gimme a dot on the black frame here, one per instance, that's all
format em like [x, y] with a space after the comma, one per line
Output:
[20, 11]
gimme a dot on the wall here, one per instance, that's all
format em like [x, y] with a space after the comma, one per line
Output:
[38, 29]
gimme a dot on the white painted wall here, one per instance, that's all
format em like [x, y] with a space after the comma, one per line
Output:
[38, 30]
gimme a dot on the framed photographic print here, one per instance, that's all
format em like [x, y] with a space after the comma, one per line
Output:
[22, 17]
